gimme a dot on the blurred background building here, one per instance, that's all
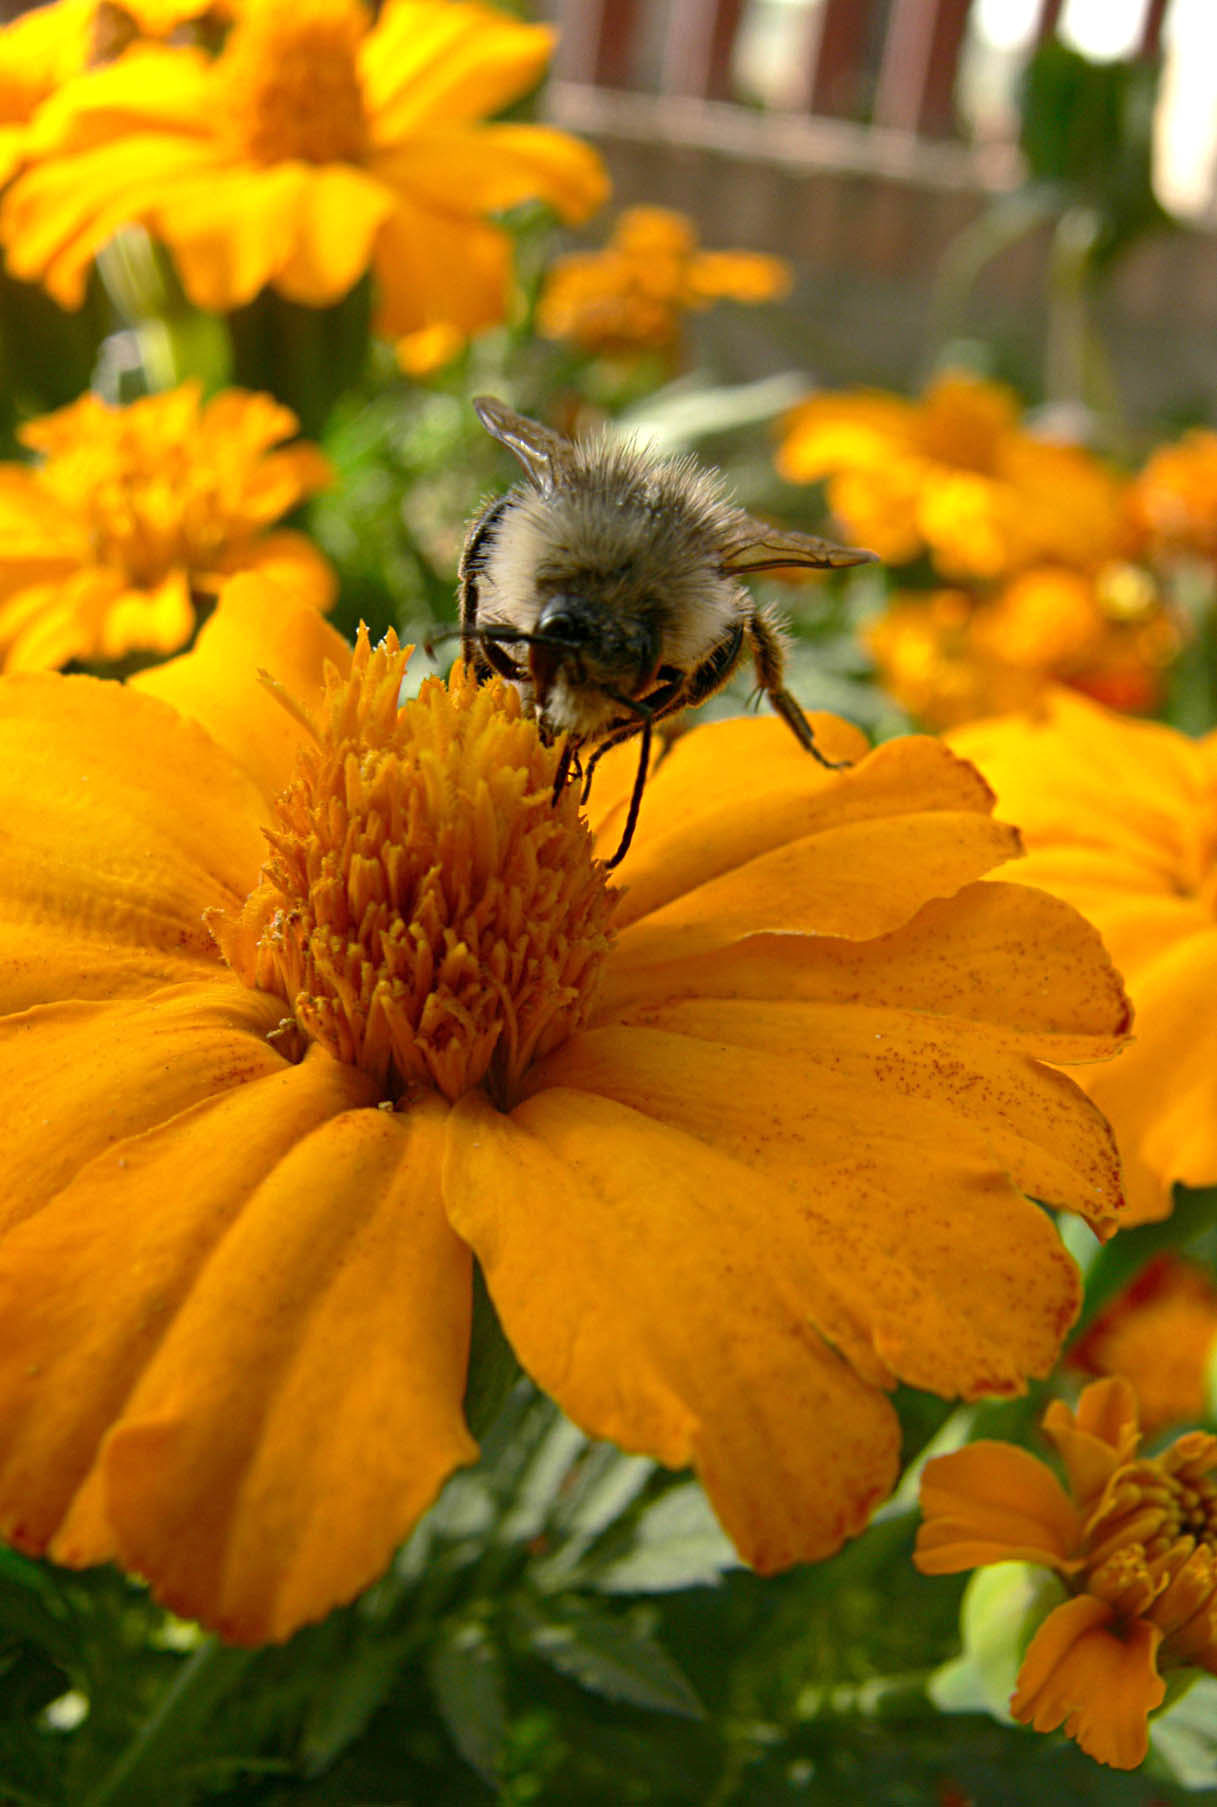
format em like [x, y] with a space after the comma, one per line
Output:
[934, 169]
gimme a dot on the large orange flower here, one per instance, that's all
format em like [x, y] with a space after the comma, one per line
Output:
[1134, 1541]
[1120, 818]
[138, 515]
[316, 146]
[737, 1147]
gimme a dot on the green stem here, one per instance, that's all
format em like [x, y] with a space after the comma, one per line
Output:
[138, 1777]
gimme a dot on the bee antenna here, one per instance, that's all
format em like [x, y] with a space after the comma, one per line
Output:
[437, 638]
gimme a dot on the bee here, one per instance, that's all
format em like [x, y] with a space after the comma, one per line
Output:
[605, 586]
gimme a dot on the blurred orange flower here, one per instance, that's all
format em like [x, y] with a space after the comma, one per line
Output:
[1120, 818]
[955, 475]
[950, 656]
[634, 295]
[137, 515]
[1133, 1540]
[319, 144]
[1160, 1335]
[1174, 498]
[738, 1148]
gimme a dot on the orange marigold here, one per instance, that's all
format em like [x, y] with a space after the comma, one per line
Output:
[738, 1147]
[1174, 499]
[634, 295]
[1160, 1335]
[956, 475]
[1119, 817]
[137, 515]
[319, 144]
[1134, 1540]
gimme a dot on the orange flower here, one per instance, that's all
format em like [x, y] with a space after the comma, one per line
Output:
[737, 1148]
[955, 475]
[949, 657]
[316, 146]
[1174, 499]
[1134, 1541]
[1159, 1335]
[137, 515]
[634, 294]
[1120, 819]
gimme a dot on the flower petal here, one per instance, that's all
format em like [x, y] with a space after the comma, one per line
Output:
[993, 1502]
[1015, 959]
[457, 62]
[434, 269]
[854, 853]
[1097, 1438]
[255, 628]
[305, 1406]
[486, 168]
[152, 825]
[164, 1054]
[1100, 1685]
[645, 1289]
[236, 230]
[85, 1307]
[291, 562]
[892, 1195]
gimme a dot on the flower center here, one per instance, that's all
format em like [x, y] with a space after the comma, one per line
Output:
[1152, 1539]
[429, 912]
[290, 82]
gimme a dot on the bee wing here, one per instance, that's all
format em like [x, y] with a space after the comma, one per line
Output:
[752, 545]
[544, 454]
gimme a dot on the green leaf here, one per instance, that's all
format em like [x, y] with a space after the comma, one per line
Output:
[465, 1671]
[608, 1656]
[31, 1608]
[1183, 1740]
[341, 1711]
[678, 1543]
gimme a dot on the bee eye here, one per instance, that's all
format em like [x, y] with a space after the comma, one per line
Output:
[557, 622]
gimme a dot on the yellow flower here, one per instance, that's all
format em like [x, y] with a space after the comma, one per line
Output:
[949, 657]
[316, 146]
[1133, 1540]
[738, 1148]
[1160, 1335]
[955, 475]
[1174, 499]
[137, 515]
[634, 294]
[1120, 819]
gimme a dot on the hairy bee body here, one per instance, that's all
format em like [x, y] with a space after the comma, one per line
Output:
[606, 585]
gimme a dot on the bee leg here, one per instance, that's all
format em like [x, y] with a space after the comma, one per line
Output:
[568, 760]
[640, 780]
[766, 640]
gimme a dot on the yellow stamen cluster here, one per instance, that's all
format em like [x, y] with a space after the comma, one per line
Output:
[290, 81]
[1151, 1546]
[430, 912]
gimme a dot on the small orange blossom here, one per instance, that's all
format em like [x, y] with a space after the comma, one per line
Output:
[1160, 1334]
[1134, 1541]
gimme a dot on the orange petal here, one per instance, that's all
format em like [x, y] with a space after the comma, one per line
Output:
[436, 269]
[293, 564]
[123, 825]
[890, 1205]
[1100, 1684]
[233, 232]
[254, 629]
[485, 169]
[853, 854]
[458, 62]
[163, 1054]
[627, 1265]
[86, 1305]
[338, 212]
[1161, 1095]
[993, 1502]
[304, 1406]
[1024, 964]
[1096, 1438]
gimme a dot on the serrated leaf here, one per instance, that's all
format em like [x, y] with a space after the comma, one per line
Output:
[340, 1713]
[609, 1657]
[678, 1543]
[542, 1481]
[465, 1671]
